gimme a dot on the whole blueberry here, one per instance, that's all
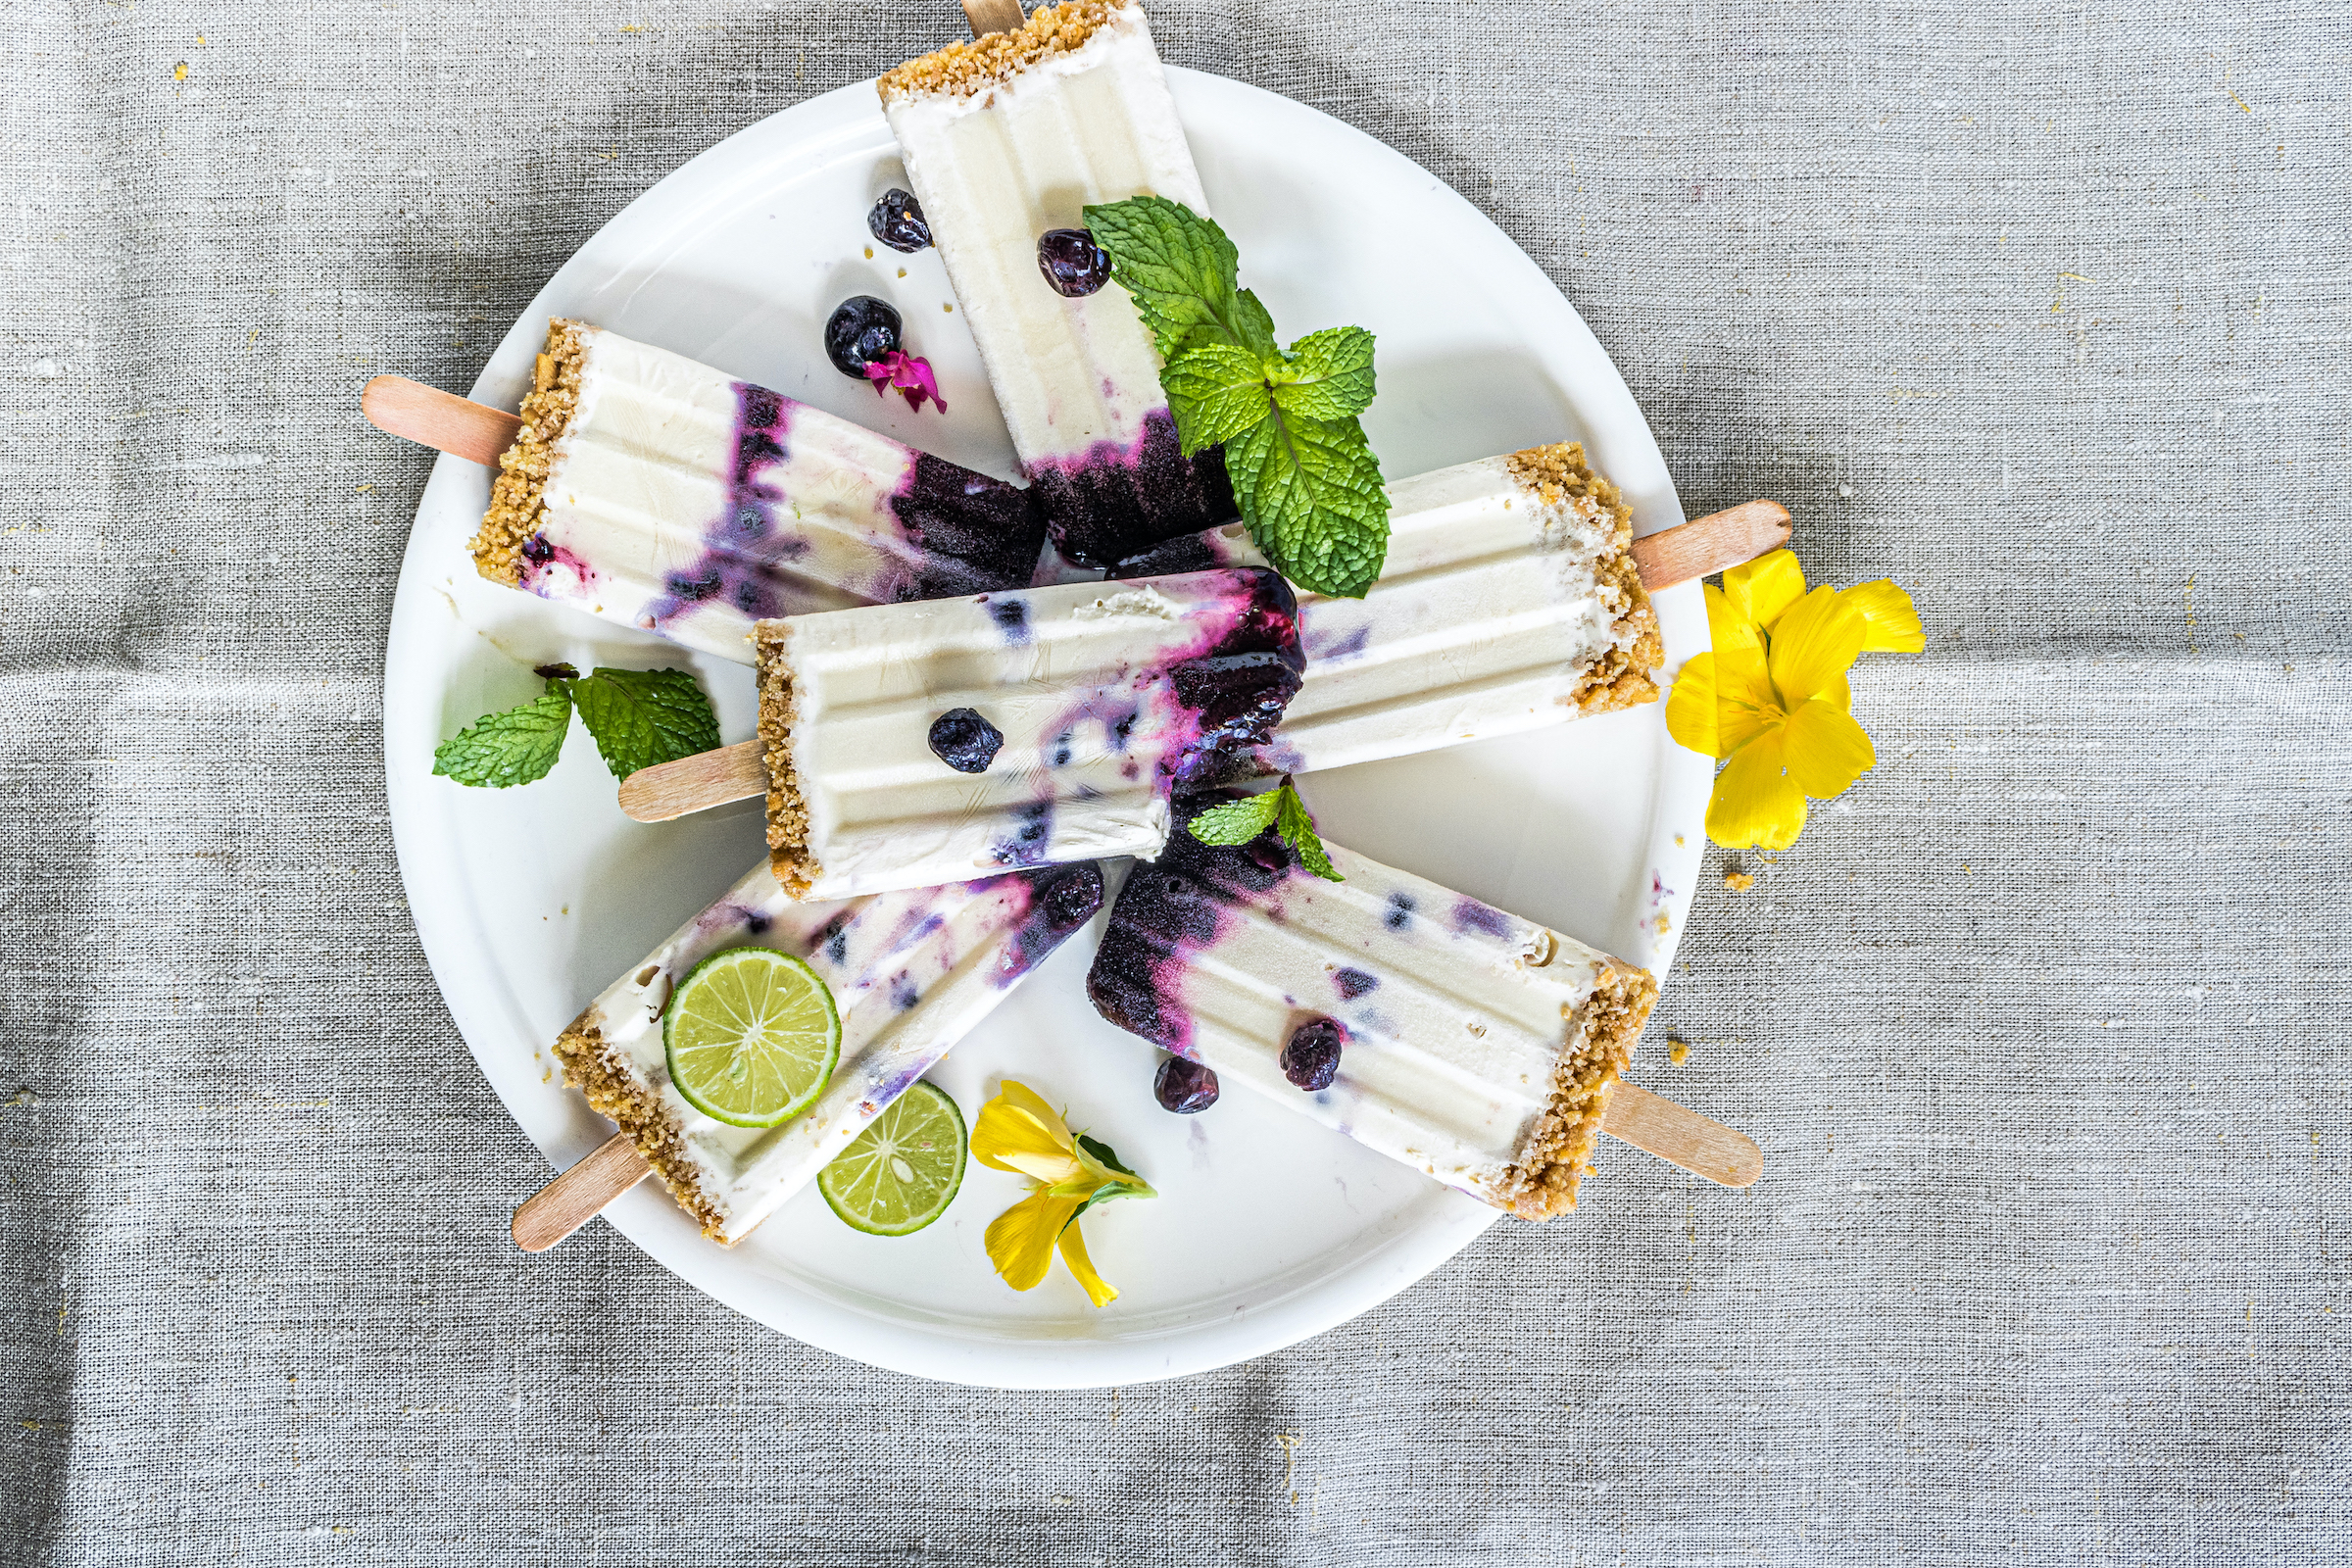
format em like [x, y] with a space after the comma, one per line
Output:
[1310, 1059]
[964, 741]
[897, 221]
[1072, 261]
[860, 332]
[1184, 1086]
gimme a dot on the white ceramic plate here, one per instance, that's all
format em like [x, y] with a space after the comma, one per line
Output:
[530, 900]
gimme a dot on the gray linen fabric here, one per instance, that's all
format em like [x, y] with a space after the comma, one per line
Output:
[2040, 309]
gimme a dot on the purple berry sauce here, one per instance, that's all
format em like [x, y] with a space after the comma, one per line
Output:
[960, 532]
[1112, 502]
[1471, 915]
[1171, 910]
[1353, 983]
[1062, 899]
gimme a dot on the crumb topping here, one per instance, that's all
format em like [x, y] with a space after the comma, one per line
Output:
[787, 813]
[962, 69]
[1540, 1184]
[517, 494]
[602, 1074]
[1624, 675]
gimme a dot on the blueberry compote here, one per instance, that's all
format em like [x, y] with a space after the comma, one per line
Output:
[1184, 1086]
[1114, 501]
[1170, 912]
[1073, 263]
[1241, 686]
[897, 221]
[964, 741]
[861, 331]
[1310, 1058]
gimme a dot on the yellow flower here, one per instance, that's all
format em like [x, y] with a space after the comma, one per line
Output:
[1018, 1131]
[1772, 701]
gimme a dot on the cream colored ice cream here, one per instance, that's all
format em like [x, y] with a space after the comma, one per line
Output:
[912, 973]
[1471, 1044]
[907, 745]
[1510, 600]
[1004, 139]
[660, 493]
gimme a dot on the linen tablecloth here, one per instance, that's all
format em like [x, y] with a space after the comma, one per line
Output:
[2041, 310]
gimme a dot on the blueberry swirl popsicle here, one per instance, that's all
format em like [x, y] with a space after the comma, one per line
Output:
[1006, 141]
[660, 493]
[912, 973]
[1509, 600]
[909, 745]
[1467, 1043]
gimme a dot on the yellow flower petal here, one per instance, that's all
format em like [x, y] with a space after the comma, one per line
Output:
[1018, 1131]
[1073, 1253]
[1754, 803]
[1020, 1241]
[1728, 627]
[1826, 750]
[1690, 706]
[1894, 626]
[1746, 704]
[1815, 643]
[1764, 587]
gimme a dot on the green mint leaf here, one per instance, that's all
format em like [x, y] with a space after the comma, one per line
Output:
[515, 747]
[1253, 327]
[1236, 821]
[1178, 265]
[1310, 491]
[643, 717]
[1297, 830]
[1327, 375]
[1216, 392]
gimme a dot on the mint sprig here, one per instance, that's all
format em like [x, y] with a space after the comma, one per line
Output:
[1280, 808]
[637, 717]
[1306, 480]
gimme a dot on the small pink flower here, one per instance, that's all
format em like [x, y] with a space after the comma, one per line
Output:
[910, 373]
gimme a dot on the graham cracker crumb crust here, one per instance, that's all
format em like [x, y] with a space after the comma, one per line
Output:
[597, 1071]
[962, 69]
[787, 813]
[1542, 1183]
[1624, 676]
[517, 496]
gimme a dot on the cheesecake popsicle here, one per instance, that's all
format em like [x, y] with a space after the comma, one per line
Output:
[916, 744]
[1510, 600]
[1006, 138]
[1473, 1045]
[911, 972]
[656, 492]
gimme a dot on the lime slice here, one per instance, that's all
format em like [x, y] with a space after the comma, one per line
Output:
[751, 1036]
[902, 1171]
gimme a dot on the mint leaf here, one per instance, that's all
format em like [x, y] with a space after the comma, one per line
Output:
[512, 748]
[1236, 821]
[1310, 491]
[1252, 326]
[1182, 274]
[640, 718]
[1297, 830]
[1327, 375]
[1216, 392]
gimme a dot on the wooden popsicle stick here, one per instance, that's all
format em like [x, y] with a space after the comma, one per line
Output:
[1705, 546]
[695, 783]
[442, 420]
[1679, 1136]
[579, 1195]
[992, 15]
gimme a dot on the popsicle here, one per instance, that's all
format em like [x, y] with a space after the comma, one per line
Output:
[1401, 678]
[1005, 139]
[1469, 1044]
[908, 745]
[660, 493]
[1511, 599]
[911, 972]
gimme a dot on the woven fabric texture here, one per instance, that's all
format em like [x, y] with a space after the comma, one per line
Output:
[2041, 310]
